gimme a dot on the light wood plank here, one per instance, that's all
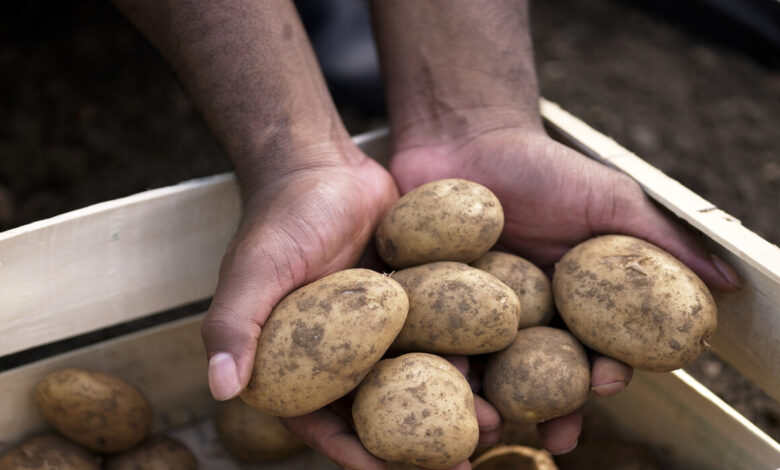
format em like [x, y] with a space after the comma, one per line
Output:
[748, 335]
[114, 261]
[693, 427]
[168, 363]
[122, 259]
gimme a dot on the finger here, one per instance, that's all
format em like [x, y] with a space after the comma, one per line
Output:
[488, 420]
[560, 435]
[248, 288]
[609, 376]
[326, 432]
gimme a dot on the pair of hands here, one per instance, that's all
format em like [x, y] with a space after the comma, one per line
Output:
[317, 220]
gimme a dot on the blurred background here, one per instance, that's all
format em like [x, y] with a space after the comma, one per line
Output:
[90, 112]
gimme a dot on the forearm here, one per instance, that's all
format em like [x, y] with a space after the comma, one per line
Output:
[251, 72]
[456, 66]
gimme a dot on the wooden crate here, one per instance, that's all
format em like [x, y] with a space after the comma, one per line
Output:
[125, 259]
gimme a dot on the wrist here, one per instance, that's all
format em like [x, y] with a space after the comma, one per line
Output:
[273, 157]
[445, 125]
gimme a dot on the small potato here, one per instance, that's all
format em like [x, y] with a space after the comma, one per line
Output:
[322, 339]
[542, 375]
[250, 435]
[445, 220]
[416, 409]
[456, 309]
[514, 457]
[100, 411]
[161, 453]
[633, 302]
[48, 452]
[527, 280]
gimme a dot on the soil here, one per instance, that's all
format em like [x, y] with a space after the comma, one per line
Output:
[91, 113]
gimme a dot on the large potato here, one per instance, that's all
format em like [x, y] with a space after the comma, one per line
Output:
[634, 302]
[160, 453]
[542, 375]
[527, 280]
[48, 452]
[250, 435]
[322, 339]
[456, 309]
[100, 411]
[445, 220]
[416, 409]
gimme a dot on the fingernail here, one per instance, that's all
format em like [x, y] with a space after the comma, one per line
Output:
[609, 388]
[223, 377]
[568, 449]
[726, 271]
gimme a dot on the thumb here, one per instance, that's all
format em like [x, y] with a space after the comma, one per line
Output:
[250, 285]
[634, 214]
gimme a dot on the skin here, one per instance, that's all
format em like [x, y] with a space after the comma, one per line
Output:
[462, 98]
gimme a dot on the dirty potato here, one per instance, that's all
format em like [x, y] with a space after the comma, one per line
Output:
[527, 280]
[416, 409]
[100, 411]
[456, 309]
[542, 375]
[48, 452]
[322, 339]
[159, 453]
[633, 302]
[250, 435]
[445, 220]
[514, 457]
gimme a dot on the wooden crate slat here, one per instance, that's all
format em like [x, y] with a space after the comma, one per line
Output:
[748, 336]
[168, 363]
[114, 261]
[693, 427]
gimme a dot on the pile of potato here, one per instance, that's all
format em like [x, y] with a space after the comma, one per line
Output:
[102, 420]
[383, 335]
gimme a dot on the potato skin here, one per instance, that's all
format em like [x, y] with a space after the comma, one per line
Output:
[456, 309]
[417, 409]
[100, 411]
[527, 280]
[250, 435]
[48, 452]
[444, 220]
[322, 339]
[160, 453]
[542, 375]
[634, 302]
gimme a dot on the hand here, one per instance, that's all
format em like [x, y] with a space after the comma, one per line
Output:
[554, 198]
[305, 224]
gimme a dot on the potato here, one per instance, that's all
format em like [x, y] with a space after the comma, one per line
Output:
[416, 409]
[514, 457]
[528, 281]
[456, 309]
[160, 453]
[322, 339]
[445, 220]
[48, 452]
[632, 301]
[100, 411]
[542, 375]
[250, 435]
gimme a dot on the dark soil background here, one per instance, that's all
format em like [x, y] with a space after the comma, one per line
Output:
[90, 112]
